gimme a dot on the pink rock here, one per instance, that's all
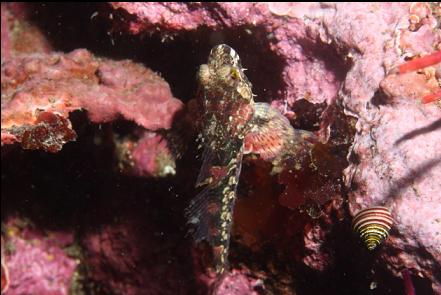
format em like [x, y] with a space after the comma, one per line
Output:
[408, 86]
[343, 51]
[4, 270]
[423, 41]
[6, 46]
[331, 52]
[314, 52]
[397, 163]
[148, 156]
[398, 167]
[19, 35]
[132, 256]
[316, 258]
[61, 83]
[37, 262]
[237, 283]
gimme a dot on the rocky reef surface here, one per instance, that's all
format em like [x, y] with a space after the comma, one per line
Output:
[97, 107]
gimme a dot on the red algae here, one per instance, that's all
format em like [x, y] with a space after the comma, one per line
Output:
[431, 97]
[237, 283]
[50, 133]
[421, 62]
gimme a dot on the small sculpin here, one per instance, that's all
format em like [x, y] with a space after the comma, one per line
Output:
[233, 125]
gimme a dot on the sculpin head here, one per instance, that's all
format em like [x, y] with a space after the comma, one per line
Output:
[223, 74]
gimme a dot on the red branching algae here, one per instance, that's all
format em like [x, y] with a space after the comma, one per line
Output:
[431, 97]
[419, 63]
[311, 178]
[258, 217]
[308, 186]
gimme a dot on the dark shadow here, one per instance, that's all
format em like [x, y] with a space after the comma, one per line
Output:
[427, 256]
[353, 268]
[307, 115]
[411, 177]
[420, 131]
[79, 190]
[380, 98]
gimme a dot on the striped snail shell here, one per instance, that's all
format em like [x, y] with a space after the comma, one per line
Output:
[373, 225]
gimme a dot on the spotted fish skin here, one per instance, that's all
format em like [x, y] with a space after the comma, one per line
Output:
[232, 125]
[226, 99]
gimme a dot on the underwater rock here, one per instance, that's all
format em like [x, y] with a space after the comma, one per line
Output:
[237, 283]
[408, 86]
[323, 53]
[148, 156]
[338, 50]
[302, 48]
[58, 84]
[19, 34]
[135, 253]
[422, 41]
[317, 43]
[395, 160]
[36, 260]
[314, 237]
[4, 271]
[398, 167]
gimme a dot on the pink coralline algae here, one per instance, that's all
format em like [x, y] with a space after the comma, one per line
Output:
[302, 71]
[237, 283]
[149, 155]
[363, 45]
[5, 270]
[331, 68]
[36, 261]
[133, 254]
[397, 167]
[57, 84]
[19, 35]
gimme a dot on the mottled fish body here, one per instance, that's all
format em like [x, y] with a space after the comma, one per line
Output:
[232, 124]
[227, 102]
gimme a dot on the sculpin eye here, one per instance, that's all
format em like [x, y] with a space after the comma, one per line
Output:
[234, 74]
[228, 73]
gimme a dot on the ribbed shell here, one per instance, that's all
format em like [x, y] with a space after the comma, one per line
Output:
[373, 225]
